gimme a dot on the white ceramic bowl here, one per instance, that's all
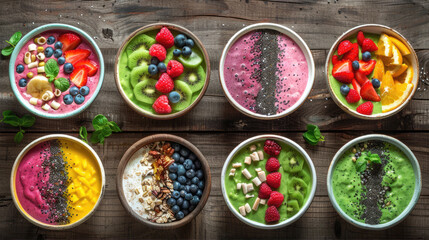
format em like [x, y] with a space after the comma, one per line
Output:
[414, 163]
[297, 39]
[288, 142]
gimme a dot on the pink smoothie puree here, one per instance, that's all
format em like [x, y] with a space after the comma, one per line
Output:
[265, 71]
[64, 108]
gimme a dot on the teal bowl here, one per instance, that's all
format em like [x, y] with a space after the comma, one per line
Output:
[30, 35]
[417, 189]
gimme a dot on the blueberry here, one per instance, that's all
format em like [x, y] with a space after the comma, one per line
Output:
[176, 147]
[195, 200]
[68, 99]
[184, 152]
[201, 185]
[181, 170]
[187, 188]
[200, 174]
[366, 56]
[180, 215]
[175, 194]
[189, 42]
[176, 185]
[193, 166]
[74, 91]
[68, 68]
[187, 164]
[154, 60]
[181, 160]
[197, 164]
[172, 176]
[58, 45]
[183, 193]
[190, 173]
[188, 182]
[180, 40]
[174, 97]
[175, 156]
[152, 69]
[173, 167]
[49, 51]
[79, 99]
[177, 52]
[182, 187]
[171, 202]
[161, 67]
[188, 196]
[58, 53]
[61, 60]
[20, 68]
[355, 65]
[375, 83]
[179, 201]
[51, 40]
[22, 82]
[175, 209]
[191, 208]
[194, 189]
[185, 211]
[199, 193]
[195, 180]
[344, 89]
[192, 157]
[84, 90]
[181, 179]
[185, 204]
[186, 51]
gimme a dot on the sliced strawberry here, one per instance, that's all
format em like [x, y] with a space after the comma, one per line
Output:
[368, 92]
[74, 56]
[360, 77]
[356, 85]
[366, 67]
[369, 45]
[90, 65]
[344, 47]
[343, 71]
[353, 54]
[335, 59]
[70, 41]
[79, 76]
[360, 38]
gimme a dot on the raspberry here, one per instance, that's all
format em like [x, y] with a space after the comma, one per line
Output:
[158, 51]
[360, 38]
[365, 108]
[161, 105]
[165, 84]
[272, 148]
[165, 38]
[276, 199]
[174, 68]
[353, 96]
[264, 191]
[273, 179]
[272, 164]
[272, 214]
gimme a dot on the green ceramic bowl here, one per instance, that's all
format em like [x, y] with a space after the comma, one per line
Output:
[417, 189]
[30, 35]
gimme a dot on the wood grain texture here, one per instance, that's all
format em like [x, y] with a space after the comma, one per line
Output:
[214, 126]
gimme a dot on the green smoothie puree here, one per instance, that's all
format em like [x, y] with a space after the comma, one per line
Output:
[373, 182]
[295, 182]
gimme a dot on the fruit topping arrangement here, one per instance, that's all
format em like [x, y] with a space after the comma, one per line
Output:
[367, 71]
[54, 70]
[268, 182]
[162, 72]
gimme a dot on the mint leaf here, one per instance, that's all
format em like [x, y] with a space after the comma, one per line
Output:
[12, 120]
[313, 135]
[51, 69]
[7, 50]
[15, 38]
[99, 122]
[114, 126]
[99, 135]
[19, 136]
[361, 163]
[62, 84]
[83, 134]
[374, 158]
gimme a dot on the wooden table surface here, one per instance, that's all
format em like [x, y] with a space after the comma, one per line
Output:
[214, 126]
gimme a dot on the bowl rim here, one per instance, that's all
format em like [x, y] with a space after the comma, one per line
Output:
[290, 143]
[18, 161]
[418, 181]
[137, 146]
[347, 34]
[150, 27]
[24, 40]
[302, 45]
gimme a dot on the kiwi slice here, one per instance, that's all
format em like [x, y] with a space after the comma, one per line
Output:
[303, 175]
[185, 96]
[195, 78]
[138, 58]
[141, 41]
[297, 185]
[169, 55]
[191, 61]
[124, 71]
[292, 207]
[297, 196]
[292, 162]
[139, 74]
[145, 91]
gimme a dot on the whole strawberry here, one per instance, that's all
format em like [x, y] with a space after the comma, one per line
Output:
[274, 179]
[165, 38]
[272, 148]
[369, 45]
[165, 84]
[264, 191]
[158, 51]
[161, 105]
[272, 214]
[174, 68]
[272, 164]
[276, 199]
[360, 38]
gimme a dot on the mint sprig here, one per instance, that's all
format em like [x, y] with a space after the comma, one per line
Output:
[103, 129]
[12, 119]
[313, 135]
[62, 84]
[364, 159]
[52, 69]
[13, 41]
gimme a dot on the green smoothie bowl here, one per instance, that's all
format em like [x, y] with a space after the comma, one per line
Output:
[162, 71]
[268, 181]
[374, 182]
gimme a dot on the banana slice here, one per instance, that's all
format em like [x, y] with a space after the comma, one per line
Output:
[38, 86]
